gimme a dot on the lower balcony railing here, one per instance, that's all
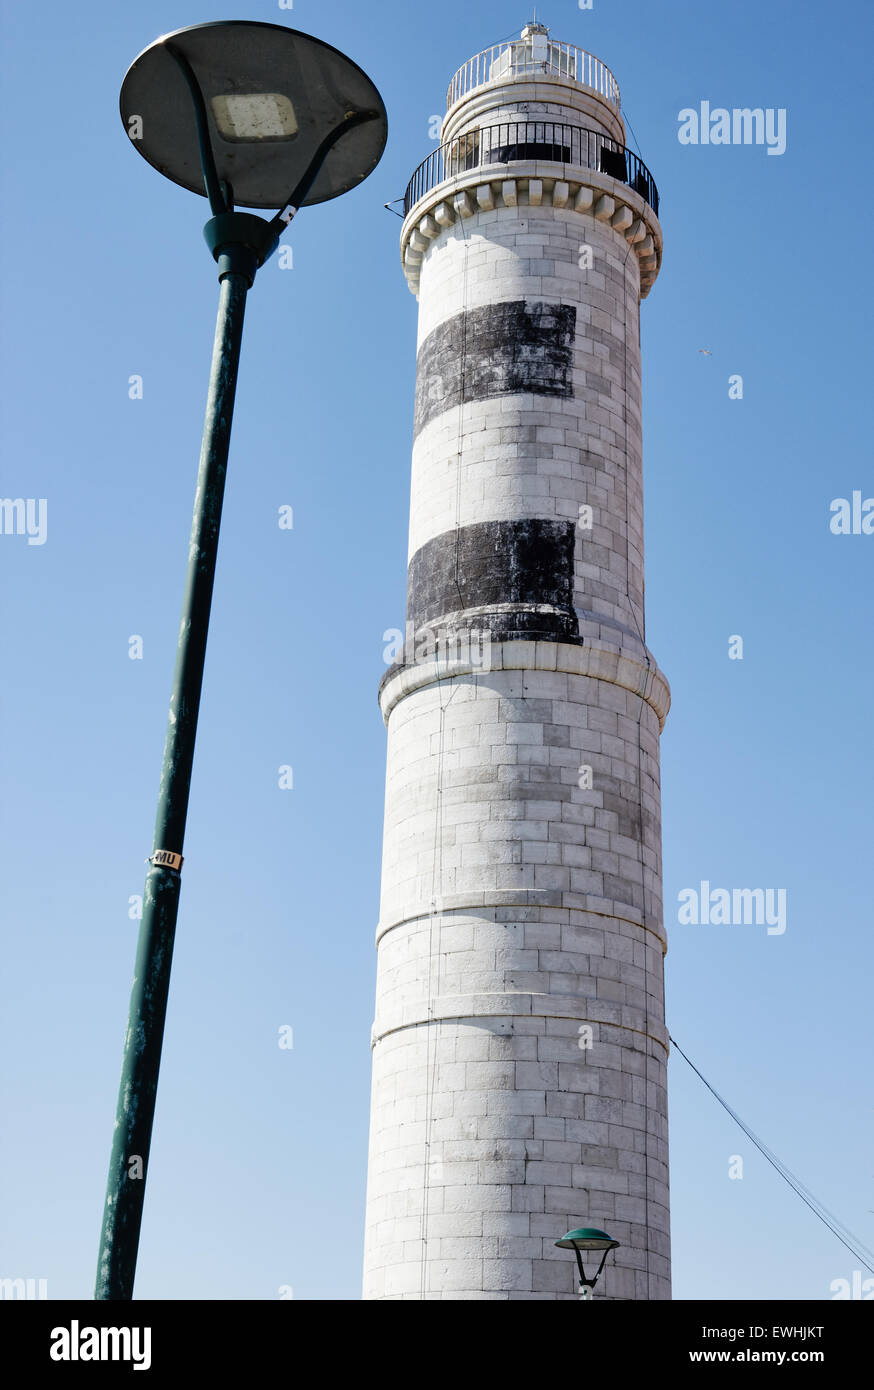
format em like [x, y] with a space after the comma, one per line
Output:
[515, 141]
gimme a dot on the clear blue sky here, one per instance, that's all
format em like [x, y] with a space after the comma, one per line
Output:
[259, 1157]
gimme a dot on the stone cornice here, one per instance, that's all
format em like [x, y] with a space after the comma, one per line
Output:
[534, 183]
[596, 659]
[579, 907]
[521, 1005]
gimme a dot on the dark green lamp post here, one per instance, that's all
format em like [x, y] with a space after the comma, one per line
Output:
[588, 1238]
[266, 117]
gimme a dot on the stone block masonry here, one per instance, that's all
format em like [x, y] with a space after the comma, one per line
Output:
[519, 1042]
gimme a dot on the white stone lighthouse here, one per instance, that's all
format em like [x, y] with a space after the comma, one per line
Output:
[519, 1042]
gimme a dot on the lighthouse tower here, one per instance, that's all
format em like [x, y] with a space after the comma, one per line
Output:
[519, 1043]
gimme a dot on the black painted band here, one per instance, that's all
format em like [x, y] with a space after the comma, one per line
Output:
[527, 565]
[496, 350]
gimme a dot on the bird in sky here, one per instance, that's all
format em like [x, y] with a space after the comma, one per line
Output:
[706, 351]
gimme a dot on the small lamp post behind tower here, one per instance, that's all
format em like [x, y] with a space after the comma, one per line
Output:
[257, 114]
[588, 1238]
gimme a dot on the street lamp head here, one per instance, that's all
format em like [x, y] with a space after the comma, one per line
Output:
[266, 99]
[587, 1238]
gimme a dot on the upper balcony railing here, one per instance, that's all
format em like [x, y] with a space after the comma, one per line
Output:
[532, 140]
[527, 58]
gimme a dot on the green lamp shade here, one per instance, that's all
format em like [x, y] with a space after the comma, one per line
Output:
[272, 94]
[587, 1238]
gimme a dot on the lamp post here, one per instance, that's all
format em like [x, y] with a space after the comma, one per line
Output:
[267, 117]
[588, 1238]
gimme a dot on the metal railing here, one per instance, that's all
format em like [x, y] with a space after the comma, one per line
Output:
[522, 57]
[513, 141]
